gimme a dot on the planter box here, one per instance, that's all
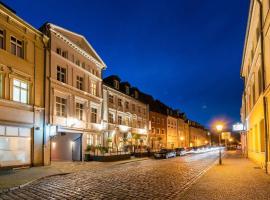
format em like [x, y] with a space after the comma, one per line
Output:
[107, 158]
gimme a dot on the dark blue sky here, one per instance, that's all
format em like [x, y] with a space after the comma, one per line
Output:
[187, 53]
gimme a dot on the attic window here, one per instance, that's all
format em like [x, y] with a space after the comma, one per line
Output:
[116, 84]
[127, 89]
[136, 94]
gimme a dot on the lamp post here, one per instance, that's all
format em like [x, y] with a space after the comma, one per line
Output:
[219, 128]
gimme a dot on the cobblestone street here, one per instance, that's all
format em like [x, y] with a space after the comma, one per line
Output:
[147, 179]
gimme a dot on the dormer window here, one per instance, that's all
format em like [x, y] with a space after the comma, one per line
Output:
[116, 84]
[127, 89]
[136, 95]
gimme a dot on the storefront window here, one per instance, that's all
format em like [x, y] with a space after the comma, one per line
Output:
[15, 145]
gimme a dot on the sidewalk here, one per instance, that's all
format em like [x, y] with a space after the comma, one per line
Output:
[237, 178]
[10, 179]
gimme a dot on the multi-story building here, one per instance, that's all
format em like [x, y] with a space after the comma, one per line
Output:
[183, 130]
[172, 129]
[255, 71]
[22, 55]
[126, 116]
[73, 94]
[198, 135]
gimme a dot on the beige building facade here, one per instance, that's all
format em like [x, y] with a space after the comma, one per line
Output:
[22, 56]
[125, 116]
[73, 95]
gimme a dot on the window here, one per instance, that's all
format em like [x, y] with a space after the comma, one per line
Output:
[158, 121]
[133, 107]
[253, 94]
[127, 121]
[61, 105]
[1, 85]
[83, 65]
[93, 88]
[93, 115]
[144, 111]
[61, 74]
[79, 111]
[110, 98]
[136, 94]
[65, 54]
[116, 84]
[20, 91]
[153, 119]
[162, 121]
[90, 139]
[16, 47]
[260, 84]
[127, 89]
[119, 119]
[2, 39]
[120, 102]
[162, 131]
[59, 51]
[79, 82]
[153, 130]
[139, 109]
[111, 118]
[78, 63]
[157, 130]
[127, 105]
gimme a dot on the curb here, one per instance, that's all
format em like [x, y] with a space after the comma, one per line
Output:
[3, 191]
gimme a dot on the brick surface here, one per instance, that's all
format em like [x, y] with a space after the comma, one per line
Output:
[148, 179]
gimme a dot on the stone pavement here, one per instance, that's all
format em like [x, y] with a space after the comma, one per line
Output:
[147, 179]
[237, 178]
[15, 178]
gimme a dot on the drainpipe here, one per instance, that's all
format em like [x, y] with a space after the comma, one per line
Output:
[264, 86]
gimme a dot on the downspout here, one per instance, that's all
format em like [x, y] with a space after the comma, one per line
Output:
[44, 101]
[34, 103]
[264, 86]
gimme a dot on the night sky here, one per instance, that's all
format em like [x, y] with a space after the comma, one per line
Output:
[187, 53]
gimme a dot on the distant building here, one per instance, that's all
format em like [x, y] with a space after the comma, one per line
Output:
[22, 55]
[125, 115]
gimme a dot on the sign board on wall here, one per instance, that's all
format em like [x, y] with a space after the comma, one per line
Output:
[238, 127]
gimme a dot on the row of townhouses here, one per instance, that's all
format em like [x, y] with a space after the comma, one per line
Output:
[54, 103]
[255, 71]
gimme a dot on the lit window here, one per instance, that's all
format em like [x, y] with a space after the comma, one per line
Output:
[79, 111]
[93, 115]
[2, 39]
[93, 88]
[61, 104]
[20, 91]
[61, 74]
[79, 83]
[16, 47]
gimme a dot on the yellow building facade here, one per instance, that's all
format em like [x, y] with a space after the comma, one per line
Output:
[22, 61]
[255, 71]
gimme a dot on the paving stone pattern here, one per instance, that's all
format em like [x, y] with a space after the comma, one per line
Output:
[148, 179]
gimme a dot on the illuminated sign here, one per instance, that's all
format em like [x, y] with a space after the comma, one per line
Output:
[238, 127]
[225, 135]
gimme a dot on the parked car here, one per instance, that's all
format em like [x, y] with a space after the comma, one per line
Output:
[180, 151]
[165, 153]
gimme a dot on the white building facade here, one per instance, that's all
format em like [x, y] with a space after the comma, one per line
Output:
[73, 94]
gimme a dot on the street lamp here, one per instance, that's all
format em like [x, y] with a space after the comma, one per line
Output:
[219, 128]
